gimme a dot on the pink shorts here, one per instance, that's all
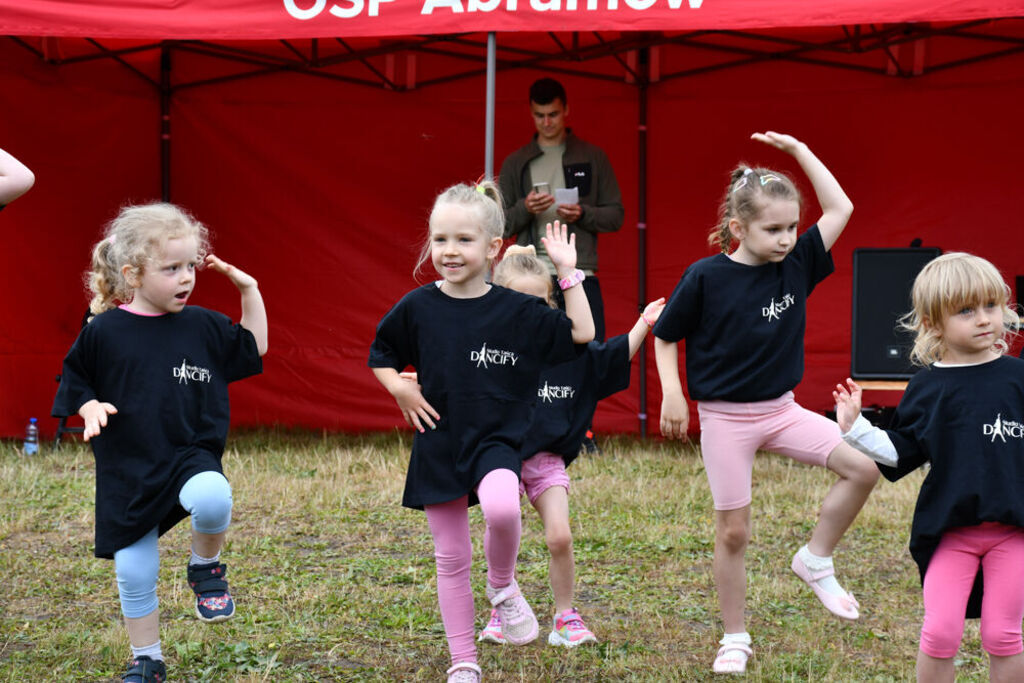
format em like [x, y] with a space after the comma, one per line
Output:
[541, 472]
[731, 433]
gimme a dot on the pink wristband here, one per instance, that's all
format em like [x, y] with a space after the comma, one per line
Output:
[643, 316]
[574, 279]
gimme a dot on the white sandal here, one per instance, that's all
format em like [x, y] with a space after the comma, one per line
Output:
[732, 659]
[464, 672]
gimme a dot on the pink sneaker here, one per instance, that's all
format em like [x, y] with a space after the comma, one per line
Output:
[518, 624]
[570, 631]
[492, 632]
[464, 672]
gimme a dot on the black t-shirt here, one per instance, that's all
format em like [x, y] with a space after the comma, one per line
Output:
[568, 395]
[479, 361]
[744, 325]
[968, 423]
[168, 378]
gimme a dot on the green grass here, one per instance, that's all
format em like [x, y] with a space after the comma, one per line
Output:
[335, 580]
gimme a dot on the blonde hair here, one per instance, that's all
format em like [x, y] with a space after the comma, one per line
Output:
[948, 284]
[134, 238]
[484, 198]
[520, 261]
[745, 199]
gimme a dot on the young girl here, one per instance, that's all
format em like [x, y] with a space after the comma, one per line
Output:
[963, 414]
[149, 375]
[478, 350]
[742, 313]
[566, 398]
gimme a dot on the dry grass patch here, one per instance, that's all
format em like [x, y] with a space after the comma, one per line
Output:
[335, 580]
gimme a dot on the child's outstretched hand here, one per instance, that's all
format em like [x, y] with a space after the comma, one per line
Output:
[652, 311]
[848, 404]
[238, 277]
[561, 247]
[95, 414]
[787, 143]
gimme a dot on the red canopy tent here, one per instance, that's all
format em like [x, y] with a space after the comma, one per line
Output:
[312, 135]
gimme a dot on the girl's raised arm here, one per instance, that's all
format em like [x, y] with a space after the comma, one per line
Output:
[15, 178]
[254, 312]
[836, 207]
[561, 248]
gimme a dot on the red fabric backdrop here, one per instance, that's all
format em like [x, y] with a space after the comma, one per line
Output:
[322, 190]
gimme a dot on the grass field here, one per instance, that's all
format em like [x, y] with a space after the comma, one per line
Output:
[334, 580]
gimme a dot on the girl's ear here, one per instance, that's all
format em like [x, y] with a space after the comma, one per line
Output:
[494, 248]
[736, 229]
[929, 325]
[131, 275]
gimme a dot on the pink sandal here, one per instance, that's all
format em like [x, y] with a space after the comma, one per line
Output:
[843, 606]
[729, 661]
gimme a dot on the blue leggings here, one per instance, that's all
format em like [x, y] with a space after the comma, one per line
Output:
[207, 497]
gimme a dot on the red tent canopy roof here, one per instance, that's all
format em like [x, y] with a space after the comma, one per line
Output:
[273, 19]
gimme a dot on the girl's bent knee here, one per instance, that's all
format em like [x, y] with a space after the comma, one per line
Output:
[207, 497]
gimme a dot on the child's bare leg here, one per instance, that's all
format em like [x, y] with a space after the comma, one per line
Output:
[934, 670]
[207, 545]
[732, 534]
[143, 631]
[857, 477]
[1006, 669]
[553, 507]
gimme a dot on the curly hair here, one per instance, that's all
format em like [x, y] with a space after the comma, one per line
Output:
[134, 239]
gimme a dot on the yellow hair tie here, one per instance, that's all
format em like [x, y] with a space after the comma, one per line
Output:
[481, 189]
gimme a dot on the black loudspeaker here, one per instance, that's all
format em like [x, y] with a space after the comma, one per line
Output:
[882, 281]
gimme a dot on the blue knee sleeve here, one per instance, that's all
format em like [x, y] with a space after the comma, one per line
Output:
[137, 567]
[207, 497]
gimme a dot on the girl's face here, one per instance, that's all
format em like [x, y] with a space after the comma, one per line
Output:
[534, 285]
[460, 251]
[167, 279]
[970, 333]
[769, 237]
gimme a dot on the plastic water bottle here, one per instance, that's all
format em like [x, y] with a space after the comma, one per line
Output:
[31, 437]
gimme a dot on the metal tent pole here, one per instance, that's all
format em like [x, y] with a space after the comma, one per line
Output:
[492, 51]
[165, 123]
[641, 225]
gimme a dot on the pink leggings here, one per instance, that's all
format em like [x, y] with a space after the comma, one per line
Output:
[453, 551]
[947, 585]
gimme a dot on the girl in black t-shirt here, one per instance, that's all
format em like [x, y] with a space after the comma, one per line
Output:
[149, 377]
[478, 350]
[742, 313]
[964, 415]
[566, 398]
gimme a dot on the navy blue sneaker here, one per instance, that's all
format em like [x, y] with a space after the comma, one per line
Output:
[213, 599]
[145, 670]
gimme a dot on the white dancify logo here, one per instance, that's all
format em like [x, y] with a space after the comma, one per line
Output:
[1003, 428]
[550, 393]
[772, 310]
[486, 356]
[186, 373]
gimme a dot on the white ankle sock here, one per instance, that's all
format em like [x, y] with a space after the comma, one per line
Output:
[817, 564]
[151, 651]
[743, 637]
[199, 559]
